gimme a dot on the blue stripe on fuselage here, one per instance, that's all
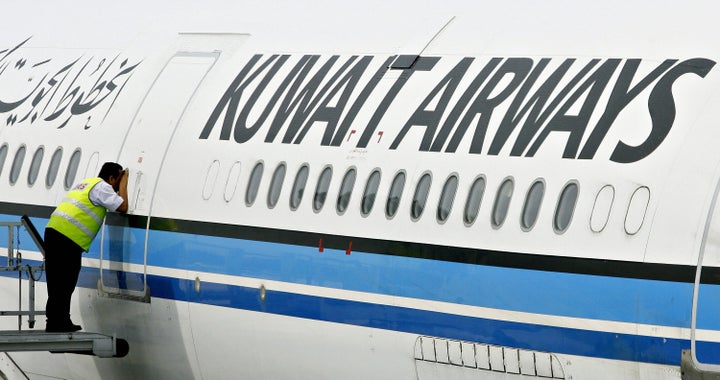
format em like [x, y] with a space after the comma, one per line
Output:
[566, 294]
[631, 300]
[422, 322]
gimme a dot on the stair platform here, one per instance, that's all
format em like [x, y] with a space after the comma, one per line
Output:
[87, 343]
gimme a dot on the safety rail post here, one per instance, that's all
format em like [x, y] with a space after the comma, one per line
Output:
[11, 241]
[19, 298]
[31, 301]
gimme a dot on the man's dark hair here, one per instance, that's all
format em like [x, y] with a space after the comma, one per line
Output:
[109, 169]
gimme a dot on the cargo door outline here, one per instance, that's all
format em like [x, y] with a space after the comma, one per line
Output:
[124, 238]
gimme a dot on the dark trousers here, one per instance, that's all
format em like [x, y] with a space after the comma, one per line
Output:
[62, 268]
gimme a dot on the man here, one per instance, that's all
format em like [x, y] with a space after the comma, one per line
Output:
[70, 231]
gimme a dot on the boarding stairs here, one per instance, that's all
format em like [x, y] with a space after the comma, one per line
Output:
[88, 343]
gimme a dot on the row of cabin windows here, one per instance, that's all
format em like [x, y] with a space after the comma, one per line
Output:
[531, 208]
[36, 162]
[564, 210]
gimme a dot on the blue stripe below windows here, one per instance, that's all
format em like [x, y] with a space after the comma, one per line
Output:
[609, 298]
[512, 334]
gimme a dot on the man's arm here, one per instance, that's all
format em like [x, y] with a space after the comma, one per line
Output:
[123, 191]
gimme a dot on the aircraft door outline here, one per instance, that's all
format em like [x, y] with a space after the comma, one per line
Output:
[124, 241]
[709, 254]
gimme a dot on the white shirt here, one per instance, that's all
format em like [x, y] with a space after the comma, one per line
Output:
[104, 195]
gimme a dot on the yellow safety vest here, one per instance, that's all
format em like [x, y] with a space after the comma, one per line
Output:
[77, 217]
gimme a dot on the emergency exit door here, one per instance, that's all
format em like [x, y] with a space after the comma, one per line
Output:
[124, 247]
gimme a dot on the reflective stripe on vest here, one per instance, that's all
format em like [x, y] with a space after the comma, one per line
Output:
[77, 217]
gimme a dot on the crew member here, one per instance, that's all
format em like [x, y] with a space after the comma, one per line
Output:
[70, 231]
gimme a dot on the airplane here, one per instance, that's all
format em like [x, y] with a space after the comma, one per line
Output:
[357, 190]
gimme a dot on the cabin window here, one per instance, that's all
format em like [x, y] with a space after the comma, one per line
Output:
[35, 165]
[502, 202]
[565, 207]
[72, 169]
[92, 166]
[472, 204]
[298, 187]
[601, 208]
[3, 156]
[420, 198]
[533, 201]
[346, 188]
[54, 167]
[276, 185]
[232, 181]
[211, 179]
[371, 188]
[254, 183]
[321, 189]
[17, 164]
[447, 197]
[395, 194]
[636, 210]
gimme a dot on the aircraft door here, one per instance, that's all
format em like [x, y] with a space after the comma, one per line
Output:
[706, 296]
[124, 239]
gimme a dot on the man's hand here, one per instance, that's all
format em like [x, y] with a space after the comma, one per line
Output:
[124, 175]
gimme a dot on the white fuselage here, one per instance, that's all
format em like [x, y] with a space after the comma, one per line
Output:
[556, 164]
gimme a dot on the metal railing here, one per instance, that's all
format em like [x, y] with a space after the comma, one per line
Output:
[31, 272]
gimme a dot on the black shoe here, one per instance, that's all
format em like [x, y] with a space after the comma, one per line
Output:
[65, 327]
